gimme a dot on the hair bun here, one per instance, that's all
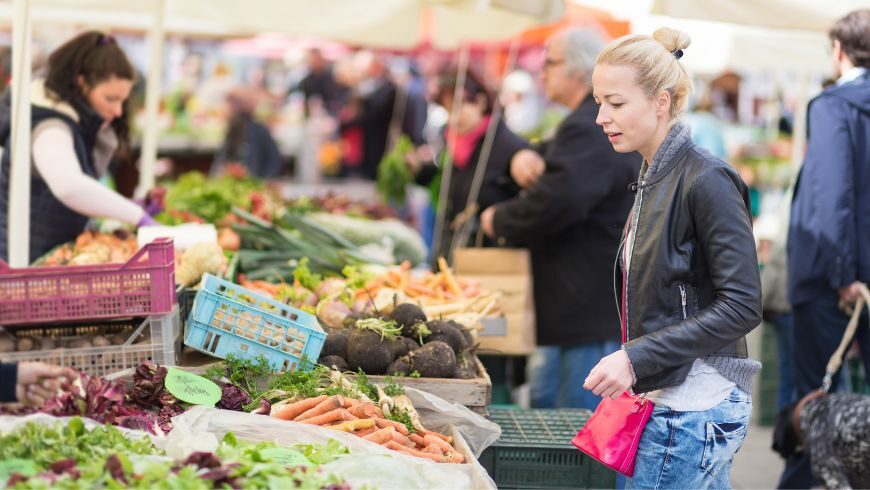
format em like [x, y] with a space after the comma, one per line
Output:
[672, 39]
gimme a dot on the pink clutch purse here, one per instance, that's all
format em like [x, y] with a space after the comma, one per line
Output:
[612, 433]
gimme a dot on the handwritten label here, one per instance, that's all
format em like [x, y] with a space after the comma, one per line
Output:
[284, 456]
[8, 467]
[192, 388]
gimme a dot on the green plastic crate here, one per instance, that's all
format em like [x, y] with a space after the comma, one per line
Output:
[535, 451]
[766, 393]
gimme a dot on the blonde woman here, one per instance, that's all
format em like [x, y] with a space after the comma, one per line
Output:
[690, 281]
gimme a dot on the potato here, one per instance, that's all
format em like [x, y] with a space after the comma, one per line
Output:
[24, 344]
[100, 341]
[79, 344]
[7, 344]
[46, 343]
[118, 339]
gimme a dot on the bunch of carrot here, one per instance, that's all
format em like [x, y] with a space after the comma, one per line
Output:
[364, 419]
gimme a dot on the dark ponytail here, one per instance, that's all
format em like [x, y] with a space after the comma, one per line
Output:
[96, 57]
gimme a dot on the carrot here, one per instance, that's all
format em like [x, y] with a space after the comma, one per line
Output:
[383, 423]
[418, 440]
[327, 405]
[378, 413]
[364, 432]
[292, 410]
[440, 443]
[364, 410]
[402, 439]
[332, 416]
[433, 449]
[395, 446]
[354, 425]
[448, 439]
[381, 436]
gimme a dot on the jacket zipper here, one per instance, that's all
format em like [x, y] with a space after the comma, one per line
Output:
[633, 229]
[683, 300]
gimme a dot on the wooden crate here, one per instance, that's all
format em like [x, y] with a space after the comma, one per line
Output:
[472, 393]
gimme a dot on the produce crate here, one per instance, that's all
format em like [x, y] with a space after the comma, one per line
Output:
[535, 451]
[156, 338]
[187, 295]
[229, 319]
[145, 285]
[472, 393]
[767, 394]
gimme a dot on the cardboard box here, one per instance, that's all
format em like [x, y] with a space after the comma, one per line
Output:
[508, 271]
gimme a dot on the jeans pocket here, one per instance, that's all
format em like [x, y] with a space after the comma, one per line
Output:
[722, 442]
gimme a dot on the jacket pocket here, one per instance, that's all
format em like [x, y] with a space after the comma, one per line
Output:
[723, 440]
[687, 300]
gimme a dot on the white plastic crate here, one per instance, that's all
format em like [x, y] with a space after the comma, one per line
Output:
[156, 338]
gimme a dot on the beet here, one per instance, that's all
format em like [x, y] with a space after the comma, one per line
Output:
[366, 351]
[404, 345]
[334, 362]
[407, 315]
[466, 332]
[336, 342]
[434, 360]
[443, 331]
[400, 367]
[465, 366]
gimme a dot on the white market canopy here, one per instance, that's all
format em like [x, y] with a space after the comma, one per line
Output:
[374, 23]
[397, 24]
[805, 15]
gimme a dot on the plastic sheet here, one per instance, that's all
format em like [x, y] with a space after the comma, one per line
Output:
[369, 464]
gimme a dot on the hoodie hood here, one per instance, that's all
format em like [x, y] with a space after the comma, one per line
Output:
[856, 92]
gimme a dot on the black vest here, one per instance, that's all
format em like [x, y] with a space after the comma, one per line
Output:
[51, 222]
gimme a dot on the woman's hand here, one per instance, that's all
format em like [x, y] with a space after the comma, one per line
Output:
[611, 376]
[486, 221]
[37, 382]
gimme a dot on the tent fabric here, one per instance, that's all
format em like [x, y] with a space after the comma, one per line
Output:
[372, 23]
[807, 15]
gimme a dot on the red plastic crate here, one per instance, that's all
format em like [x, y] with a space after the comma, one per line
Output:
[145, 285]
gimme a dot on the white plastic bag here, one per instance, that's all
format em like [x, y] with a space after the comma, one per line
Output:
[368, 464]
[437, 413]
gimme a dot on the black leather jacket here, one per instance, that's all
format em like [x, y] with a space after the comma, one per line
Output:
[693, 286]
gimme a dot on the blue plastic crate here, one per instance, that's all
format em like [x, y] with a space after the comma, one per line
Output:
[229, 319]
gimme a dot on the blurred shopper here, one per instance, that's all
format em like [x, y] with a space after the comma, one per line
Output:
[321, 84]
[691, 288]
[829, 235]
[571, 219]
[79, 126]
[772, 230]
[522, 105]
[383, 107]
[706, 127]
[247, 141]
[472, 118]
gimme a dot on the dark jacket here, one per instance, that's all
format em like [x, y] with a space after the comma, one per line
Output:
[256, 150]
[829, 233]
[51, 222]
[376, 117]
[8, 380]
[497, 185]
[571, 221]
[693, 287]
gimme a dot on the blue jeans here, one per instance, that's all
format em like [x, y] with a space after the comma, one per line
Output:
[556, 374]
[692, 449]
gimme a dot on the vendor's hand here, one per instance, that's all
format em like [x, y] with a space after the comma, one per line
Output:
[486, 221]
[419, 157]
[849, 294]
[611, 376]
[526, 168]
[37, 382]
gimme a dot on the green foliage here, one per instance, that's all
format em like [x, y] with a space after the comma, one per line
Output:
[393, 173]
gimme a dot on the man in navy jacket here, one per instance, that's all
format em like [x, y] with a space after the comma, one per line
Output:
[829, 232]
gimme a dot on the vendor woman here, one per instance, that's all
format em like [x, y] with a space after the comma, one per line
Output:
[78, 127]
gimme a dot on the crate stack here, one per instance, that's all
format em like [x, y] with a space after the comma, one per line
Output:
[535, 451]
[133, 304]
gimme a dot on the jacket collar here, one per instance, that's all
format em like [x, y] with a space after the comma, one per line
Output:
[40, 96]
[675, 145]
